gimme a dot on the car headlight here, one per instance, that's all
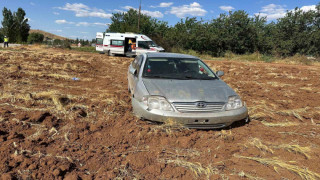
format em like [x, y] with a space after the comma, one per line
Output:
[157, 102]
[234, 102]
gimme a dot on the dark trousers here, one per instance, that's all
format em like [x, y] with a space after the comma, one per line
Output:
[6, 44]
[129, 48]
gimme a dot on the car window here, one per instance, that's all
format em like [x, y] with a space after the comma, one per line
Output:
[177, 68]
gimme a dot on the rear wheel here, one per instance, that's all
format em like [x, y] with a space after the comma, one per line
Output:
[110, 54]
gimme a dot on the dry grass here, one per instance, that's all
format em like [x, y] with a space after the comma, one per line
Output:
[258, 144]
[126, 172]
[24, 108]
[278, 84]
[306, 88]
[295, 149]
[261, 110]
[196, 168]
[304, 173]
[57, 98]
[177, 153]
[294, 112]
[280, 124]
[226, 135]
[268, 147]
[264, 109]
[246, 175]
[13, 97]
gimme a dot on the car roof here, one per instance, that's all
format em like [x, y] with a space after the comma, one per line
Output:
[169, 55]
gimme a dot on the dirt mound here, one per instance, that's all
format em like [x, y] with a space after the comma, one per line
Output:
[54, 127]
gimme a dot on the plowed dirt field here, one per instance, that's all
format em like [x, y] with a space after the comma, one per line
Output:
[53, 127]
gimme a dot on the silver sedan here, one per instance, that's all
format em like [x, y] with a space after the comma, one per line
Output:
[182, 88]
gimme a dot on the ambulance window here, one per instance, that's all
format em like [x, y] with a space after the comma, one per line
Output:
[99, 41]
[143, 44]
[117, 42]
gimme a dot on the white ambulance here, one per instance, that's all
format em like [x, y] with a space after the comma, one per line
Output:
[128, 44]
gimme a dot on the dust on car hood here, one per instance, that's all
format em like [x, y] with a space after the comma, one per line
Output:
[189, 90]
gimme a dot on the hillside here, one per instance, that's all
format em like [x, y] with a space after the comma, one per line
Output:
[47, 34]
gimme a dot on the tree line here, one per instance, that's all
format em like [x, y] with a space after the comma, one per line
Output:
[298, 32]
[15, 26]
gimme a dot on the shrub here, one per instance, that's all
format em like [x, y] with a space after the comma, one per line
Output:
[65, 44]
[35, 38]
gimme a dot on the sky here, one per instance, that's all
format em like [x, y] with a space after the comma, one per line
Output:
[83, 18]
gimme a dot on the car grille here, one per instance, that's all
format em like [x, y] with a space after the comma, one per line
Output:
[192, 106]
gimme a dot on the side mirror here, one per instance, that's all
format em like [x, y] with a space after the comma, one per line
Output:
[133, 71]
[220, 73]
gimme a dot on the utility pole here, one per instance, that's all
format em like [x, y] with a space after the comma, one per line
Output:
[139, 17]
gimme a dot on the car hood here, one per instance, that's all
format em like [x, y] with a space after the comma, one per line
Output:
[189, 90]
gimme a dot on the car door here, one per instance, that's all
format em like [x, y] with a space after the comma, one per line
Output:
[116, 46]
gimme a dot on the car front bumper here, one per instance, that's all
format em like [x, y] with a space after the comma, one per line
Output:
[206, 120]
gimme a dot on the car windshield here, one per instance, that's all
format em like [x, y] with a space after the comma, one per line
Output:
[177, 68]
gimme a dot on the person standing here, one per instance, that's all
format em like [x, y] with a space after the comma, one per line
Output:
[129, 45]
[6, 41]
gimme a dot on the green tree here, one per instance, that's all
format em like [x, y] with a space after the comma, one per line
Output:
[298, 32]
[35, 38]
[237, 32]
[128, 22]
[22, 27]
[1, 36]
[15, 25]
[8, 25]
[315, 34]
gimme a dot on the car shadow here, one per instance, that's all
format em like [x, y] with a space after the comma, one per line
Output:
[238, 124]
